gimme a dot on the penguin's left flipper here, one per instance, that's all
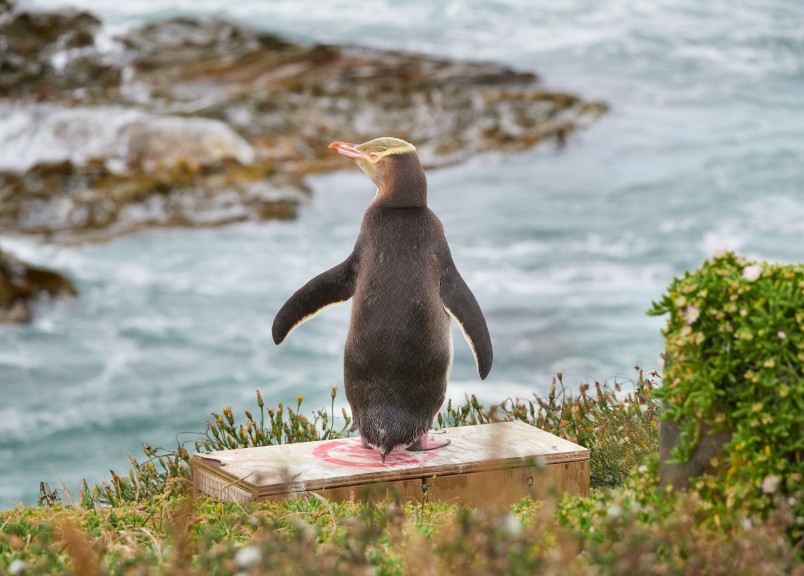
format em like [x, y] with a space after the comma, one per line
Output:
[334, 286]
[461, 304]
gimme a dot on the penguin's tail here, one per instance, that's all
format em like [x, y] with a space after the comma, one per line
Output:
[386, 428]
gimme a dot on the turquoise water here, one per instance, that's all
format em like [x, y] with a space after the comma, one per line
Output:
[703, 151]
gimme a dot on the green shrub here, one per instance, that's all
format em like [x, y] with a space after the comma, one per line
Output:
[630, 531]
[166, 474]
[734, 357]
[620, 429]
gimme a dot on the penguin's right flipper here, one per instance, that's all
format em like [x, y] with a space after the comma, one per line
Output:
[460, 303]
[334, 286]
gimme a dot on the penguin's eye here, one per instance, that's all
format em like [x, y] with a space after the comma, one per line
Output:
[374, 157]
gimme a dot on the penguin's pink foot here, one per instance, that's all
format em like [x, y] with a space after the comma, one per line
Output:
[426, 442]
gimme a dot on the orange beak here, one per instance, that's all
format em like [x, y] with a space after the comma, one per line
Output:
[347, 149]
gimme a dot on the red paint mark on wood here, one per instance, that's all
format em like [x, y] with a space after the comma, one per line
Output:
[351, 452]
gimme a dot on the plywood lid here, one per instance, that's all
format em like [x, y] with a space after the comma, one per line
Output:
[306, 466]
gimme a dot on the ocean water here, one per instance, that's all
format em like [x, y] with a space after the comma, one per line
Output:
[565, 250]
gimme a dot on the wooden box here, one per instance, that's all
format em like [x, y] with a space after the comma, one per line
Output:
[489, 463]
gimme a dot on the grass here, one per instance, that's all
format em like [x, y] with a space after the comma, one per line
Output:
[146, 522]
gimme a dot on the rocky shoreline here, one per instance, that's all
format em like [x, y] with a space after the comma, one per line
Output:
[207, 122]
[197, 123]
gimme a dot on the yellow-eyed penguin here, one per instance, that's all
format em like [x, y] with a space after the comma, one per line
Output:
[405, 287]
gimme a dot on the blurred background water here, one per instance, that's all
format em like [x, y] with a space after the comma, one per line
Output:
[702, 151]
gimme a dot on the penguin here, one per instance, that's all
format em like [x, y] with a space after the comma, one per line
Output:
[405, 289]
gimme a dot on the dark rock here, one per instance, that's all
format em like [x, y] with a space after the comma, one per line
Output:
[21, 284]
[31, 34]
[197, 38]
[33, 41]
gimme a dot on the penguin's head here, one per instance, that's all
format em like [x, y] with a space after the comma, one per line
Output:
[373, 156]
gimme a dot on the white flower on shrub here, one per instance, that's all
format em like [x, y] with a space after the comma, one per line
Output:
[691, 314]
[770, 484]
[512, 524]
[248, 556]
[752, 272]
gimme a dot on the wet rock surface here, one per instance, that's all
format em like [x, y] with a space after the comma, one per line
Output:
[198, 123]
[44, 52]
[22, 284]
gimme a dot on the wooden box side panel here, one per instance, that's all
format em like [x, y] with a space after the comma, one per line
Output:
[506, 487]
[206, 481]
[492, 487]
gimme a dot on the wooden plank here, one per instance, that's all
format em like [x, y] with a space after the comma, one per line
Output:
[492, 487]
[473, 466]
